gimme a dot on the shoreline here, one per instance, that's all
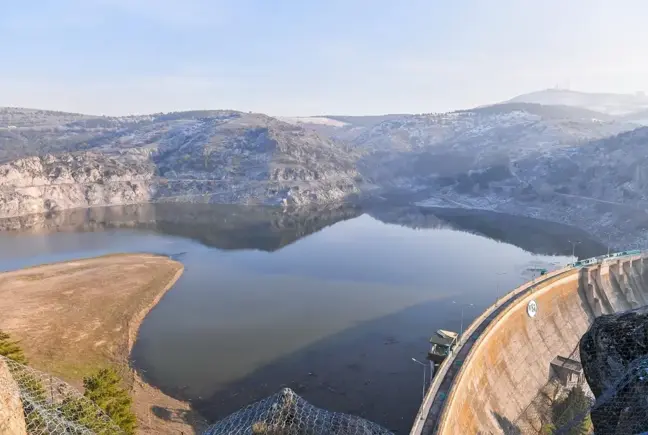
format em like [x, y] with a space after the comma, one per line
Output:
[74, 317]
[135, 322]
[141, 388]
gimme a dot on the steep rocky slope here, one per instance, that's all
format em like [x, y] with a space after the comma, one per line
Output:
[560, 163]
[28, 132]
[612, 169]
[50, 183]
[206, 156]
[254, 158]
[600, 186]
[614, 353]
[564, 164]
[416, 151]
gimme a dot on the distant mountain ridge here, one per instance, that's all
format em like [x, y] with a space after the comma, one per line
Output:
[508, 157]
[612, 104]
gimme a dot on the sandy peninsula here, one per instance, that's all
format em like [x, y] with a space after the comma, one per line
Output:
[77, 316]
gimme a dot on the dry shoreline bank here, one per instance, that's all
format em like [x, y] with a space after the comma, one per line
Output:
[77, 316]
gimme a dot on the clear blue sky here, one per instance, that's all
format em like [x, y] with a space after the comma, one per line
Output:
[307, 57]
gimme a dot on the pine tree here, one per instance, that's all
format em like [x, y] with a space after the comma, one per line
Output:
[11, 349]
[84, 413]
[547, 429]
[572, 413]
[104, 390]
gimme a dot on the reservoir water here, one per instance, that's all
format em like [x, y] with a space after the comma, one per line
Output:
[332, 303]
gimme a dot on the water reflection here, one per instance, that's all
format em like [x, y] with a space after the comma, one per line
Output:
[219, 226]
[332, 302]
[271, 228]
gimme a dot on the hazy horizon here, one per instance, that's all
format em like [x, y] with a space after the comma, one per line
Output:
[55, 109]
[290, 58]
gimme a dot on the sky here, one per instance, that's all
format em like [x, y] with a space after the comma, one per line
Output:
[313, 57]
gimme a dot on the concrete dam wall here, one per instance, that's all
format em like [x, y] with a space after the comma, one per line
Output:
[504, 360]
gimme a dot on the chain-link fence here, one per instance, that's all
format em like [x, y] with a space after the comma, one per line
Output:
[37, 403]
[285, 413]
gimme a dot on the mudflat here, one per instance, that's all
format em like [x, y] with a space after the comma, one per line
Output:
[75, 317]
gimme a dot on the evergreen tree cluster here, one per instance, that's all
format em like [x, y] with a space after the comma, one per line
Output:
[103, 389]
[570, 416]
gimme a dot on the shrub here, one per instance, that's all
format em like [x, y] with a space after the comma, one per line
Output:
[571, 415]
[104, 389]
[11, 349]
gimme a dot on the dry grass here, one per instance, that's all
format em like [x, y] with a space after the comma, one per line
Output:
[75, 317]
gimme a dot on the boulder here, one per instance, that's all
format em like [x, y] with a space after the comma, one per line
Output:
[614, 355]
[12, 420]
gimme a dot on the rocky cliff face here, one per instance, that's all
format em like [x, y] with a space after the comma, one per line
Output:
[467, 149]
[207, 156]
[50, 183]
[614, 354]
[251, 158]
[611, 169]
[565, 164]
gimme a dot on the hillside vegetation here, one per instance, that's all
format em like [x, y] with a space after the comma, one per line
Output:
[564, 160]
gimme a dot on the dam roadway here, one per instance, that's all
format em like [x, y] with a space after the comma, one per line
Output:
[491, 382]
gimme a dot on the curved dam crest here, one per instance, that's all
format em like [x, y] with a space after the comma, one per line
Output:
[492, 381]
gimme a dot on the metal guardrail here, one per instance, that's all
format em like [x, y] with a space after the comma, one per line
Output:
[489, 315]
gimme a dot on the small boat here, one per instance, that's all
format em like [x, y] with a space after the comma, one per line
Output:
[442, 344]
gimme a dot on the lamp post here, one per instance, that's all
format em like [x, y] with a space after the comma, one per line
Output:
[419, 362]
[462, 314]
[574, 243]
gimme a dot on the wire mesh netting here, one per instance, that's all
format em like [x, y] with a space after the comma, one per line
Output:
[615, 360]
[612, 397]
[37, 403]
[285, 413]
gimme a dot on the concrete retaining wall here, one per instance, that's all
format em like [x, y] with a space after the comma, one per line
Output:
[509, 362]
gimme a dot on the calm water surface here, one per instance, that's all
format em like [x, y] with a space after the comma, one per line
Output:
[333, 305]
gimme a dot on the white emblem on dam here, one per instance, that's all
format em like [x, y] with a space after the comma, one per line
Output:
[532, 309]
